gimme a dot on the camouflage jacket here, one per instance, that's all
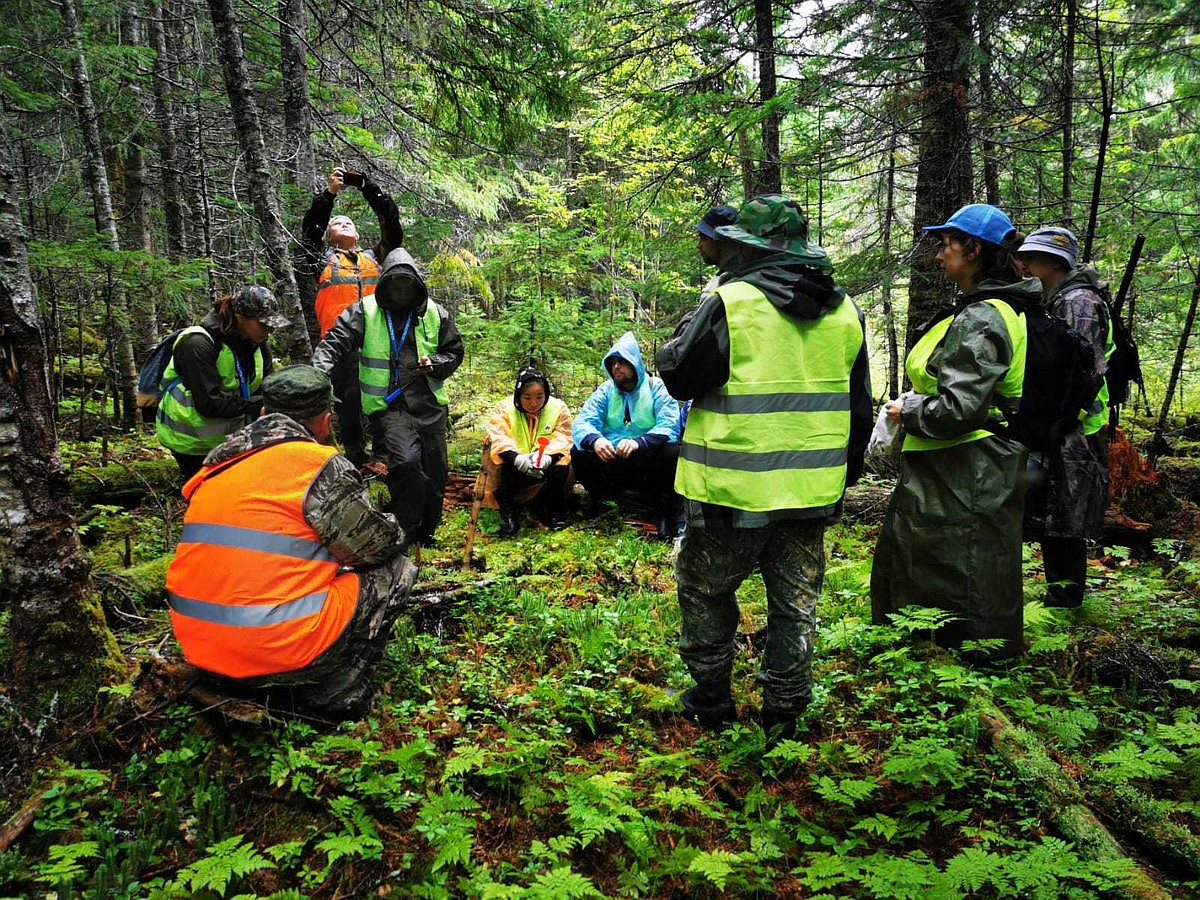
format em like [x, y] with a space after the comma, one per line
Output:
[337, 505]
[1079, 300]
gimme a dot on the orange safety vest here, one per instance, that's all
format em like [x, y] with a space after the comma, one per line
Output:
[252, 589]
[346, 279]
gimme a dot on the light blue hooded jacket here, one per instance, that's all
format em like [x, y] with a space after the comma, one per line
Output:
[613, 414]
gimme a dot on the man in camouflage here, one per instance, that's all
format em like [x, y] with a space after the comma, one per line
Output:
[1065, 508]
[352, 535]
[776, 362]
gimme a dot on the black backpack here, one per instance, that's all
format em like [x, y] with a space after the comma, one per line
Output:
[1060, 382]
[1125, 365]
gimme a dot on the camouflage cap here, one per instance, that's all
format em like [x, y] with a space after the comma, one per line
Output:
[257, 302]
[774, 222]
[300, 392]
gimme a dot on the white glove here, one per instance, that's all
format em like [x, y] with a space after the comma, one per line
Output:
[546, 462]
[526, 466]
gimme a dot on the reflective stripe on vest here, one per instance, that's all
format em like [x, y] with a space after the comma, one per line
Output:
[640, 404]
[252, 589]
[1097, 416]
[178, 425]
[775, 435]
[345, 280]
[924, 382]
[375, 380]
[518, 423]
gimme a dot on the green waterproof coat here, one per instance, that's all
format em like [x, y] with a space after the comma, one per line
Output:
[952, 535]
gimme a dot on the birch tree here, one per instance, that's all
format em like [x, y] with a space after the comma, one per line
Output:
[62, 647]
[267, 213]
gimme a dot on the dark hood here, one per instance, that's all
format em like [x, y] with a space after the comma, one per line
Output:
[1020, 295]
[398, 268]
[799, 291]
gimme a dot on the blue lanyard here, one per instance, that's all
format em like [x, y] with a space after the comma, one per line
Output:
[241, 378]
[394, 363]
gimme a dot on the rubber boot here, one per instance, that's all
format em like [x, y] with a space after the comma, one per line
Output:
[778, 726]
[710, 704]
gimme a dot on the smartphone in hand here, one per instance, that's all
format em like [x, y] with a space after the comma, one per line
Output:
[353, 178]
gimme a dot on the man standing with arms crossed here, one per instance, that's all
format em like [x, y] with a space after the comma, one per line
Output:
[776, 362]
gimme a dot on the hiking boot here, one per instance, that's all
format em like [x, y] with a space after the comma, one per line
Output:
[508, 522]
[709, 705]
[778, 726]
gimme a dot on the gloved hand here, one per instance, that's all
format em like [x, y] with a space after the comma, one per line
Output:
[546, 462]
[526, 465]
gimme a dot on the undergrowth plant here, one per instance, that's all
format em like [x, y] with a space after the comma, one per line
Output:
[525, 745]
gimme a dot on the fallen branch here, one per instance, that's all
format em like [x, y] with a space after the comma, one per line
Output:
[1061, 800]
[15, 826]
[1149, 821]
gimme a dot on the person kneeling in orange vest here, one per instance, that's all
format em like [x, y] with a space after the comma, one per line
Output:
[287, 580]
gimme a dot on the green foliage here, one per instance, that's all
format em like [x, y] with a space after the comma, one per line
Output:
[223, 863]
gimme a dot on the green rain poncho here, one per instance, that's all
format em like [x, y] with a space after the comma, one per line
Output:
[952, 535]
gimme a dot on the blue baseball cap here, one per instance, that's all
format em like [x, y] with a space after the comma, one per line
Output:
[714, 219]
[979, 220]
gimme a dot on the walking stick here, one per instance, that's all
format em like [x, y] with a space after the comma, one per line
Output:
[476, 506]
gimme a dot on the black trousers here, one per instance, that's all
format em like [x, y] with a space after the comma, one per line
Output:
[552, 498]
[1065, 560]
[349, 420]
[651, 469]
[418, 467]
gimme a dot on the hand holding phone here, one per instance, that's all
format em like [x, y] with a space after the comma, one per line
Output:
[354, 178]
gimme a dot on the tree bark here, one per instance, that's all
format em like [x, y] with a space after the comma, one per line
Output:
[143, 308]
[266, 205]
[63, 652]
[106, 224]
[297, 115]
[168, 138]
[944, 152]
[991, 170]
[1156, 444]
[889, 309]
[1061, 800]
[770, 172]
[1067, 81]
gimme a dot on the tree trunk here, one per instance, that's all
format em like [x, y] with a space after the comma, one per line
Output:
[266, 204]
[97, 176]
[1068, 111]
[1156, 445]
[61, 646]
[991, 170]
[889, 310]
[1061, 800]
[297, 115]
[944, 160]
[143, 308]
[748, 171]
[168, 139]
[1107, 91]
[770, 173]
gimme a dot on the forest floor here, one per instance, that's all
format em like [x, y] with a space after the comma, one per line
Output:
[524, 743]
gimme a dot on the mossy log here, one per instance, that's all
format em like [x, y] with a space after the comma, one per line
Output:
[1149, 821]
[133, 593]
[1061, 799]
[125, 483]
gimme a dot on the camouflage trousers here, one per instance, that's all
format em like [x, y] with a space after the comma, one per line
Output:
[711, 566]
[338, 682]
